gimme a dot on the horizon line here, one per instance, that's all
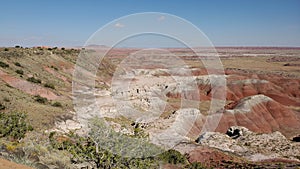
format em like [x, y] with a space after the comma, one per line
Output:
[129, 47]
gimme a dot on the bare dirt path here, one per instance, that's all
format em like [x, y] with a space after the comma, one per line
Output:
[5, 164]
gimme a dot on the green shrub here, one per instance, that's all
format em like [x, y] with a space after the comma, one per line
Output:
[57, 104]
[53, 67]
[6, 99]
[173, 157]
[62, 48]
[2, 107]
[49, 85]
[17, 46]
[34, 80]
[41, 99]
[139, 132]
[84, 149]
[13, 125]
[6, 49]
[4, 65]
[92, 149]
[19, 71]
[18, 64]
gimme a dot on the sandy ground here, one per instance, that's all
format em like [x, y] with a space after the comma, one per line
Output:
[5, 164]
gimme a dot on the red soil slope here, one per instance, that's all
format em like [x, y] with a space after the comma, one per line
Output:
[261, 114]
[27, 87]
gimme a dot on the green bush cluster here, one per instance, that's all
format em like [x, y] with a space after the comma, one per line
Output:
[57, 104]
[49, 85]
[18, 64]
[85, 150]
[93, 149]
[2, 107]
[41, 99]
[6, 99]
[19, 71]
[34, 80]
[4, 65]
[139, 132]
[13, 125]
[53, 67]
[173, 157]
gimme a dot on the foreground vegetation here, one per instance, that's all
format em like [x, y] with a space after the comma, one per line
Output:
[69, 150]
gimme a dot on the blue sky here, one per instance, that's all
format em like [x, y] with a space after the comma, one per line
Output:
[226, 23]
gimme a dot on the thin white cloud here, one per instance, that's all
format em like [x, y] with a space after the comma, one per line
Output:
[161, 18]
[119, 25]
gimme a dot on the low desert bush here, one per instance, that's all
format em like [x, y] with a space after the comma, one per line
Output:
[53, 67]
[4, 65]
[19, 71]
[2, 107]
[57, 104]
[87, 149]
[49, 85]
[34, 80]
[18, 64]
[13, 125]
[173, 157]
[6, 99]
[41, 99]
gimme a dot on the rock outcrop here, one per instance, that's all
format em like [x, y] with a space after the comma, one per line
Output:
[253, 146]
